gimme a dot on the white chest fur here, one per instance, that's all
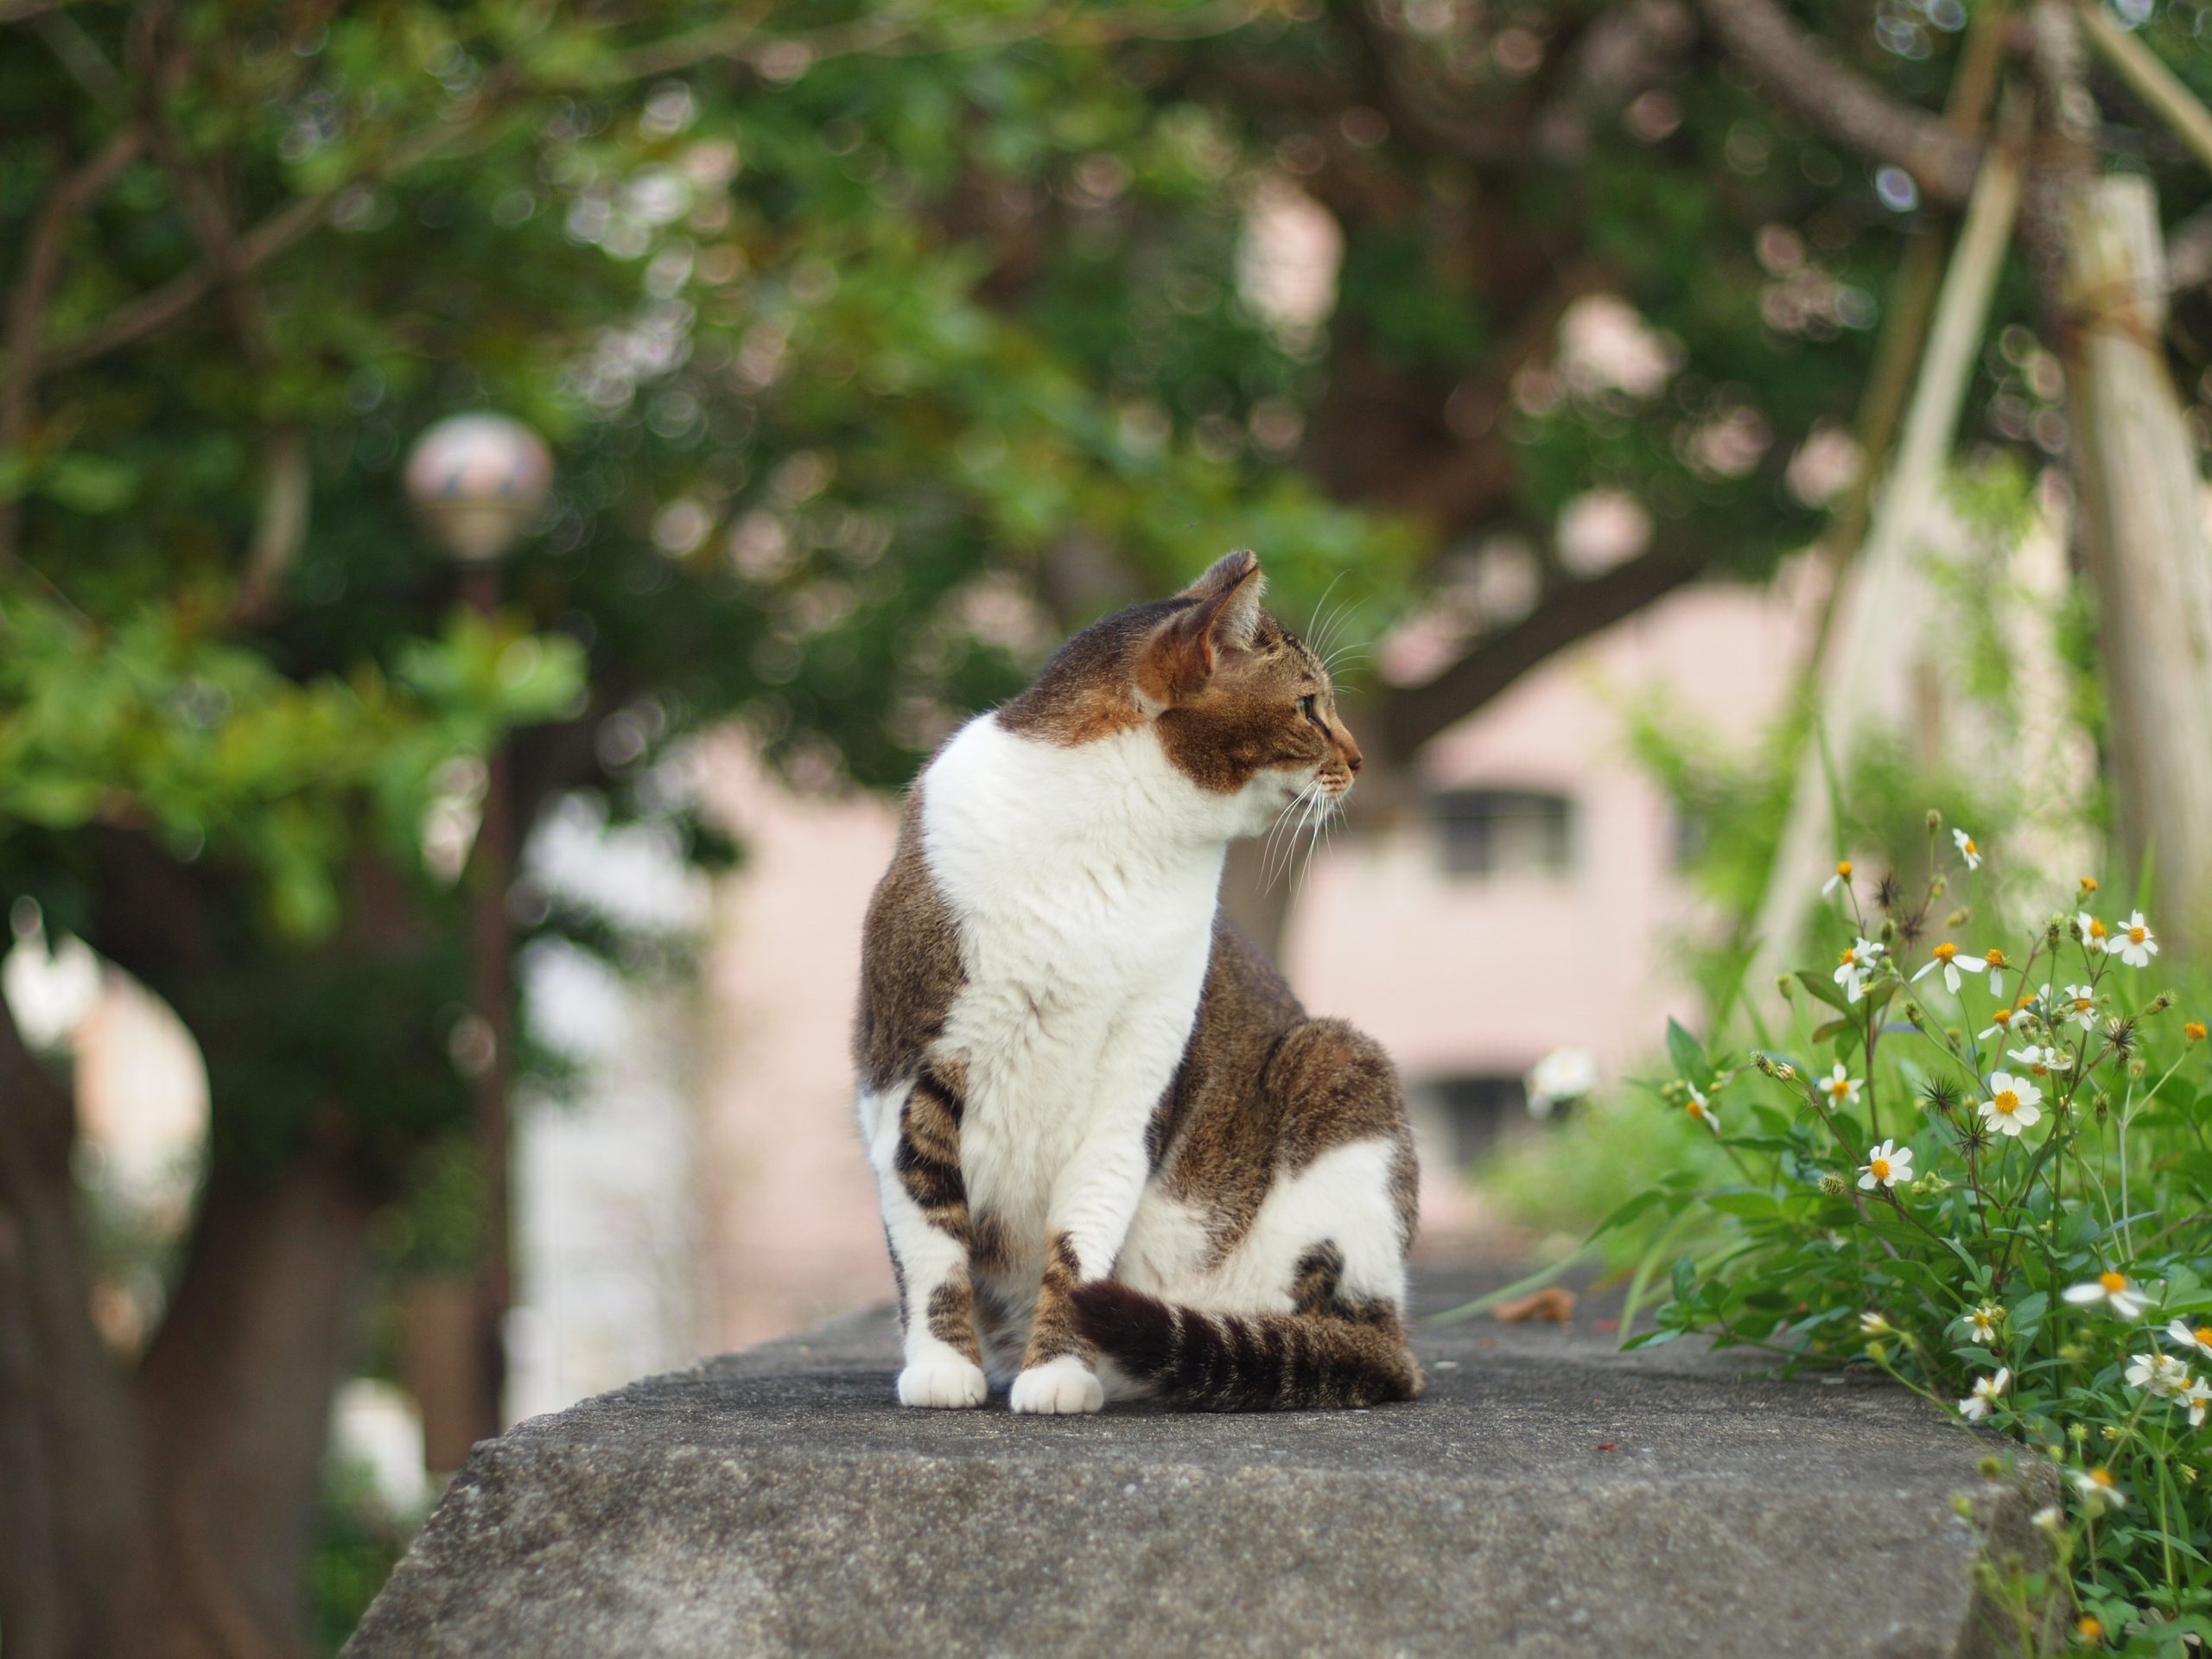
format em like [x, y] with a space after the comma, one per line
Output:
[1083, 880]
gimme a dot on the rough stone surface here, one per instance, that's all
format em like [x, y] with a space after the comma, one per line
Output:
[1549, 1496]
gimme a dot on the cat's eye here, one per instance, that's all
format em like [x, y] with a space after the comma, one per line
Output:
[1305, 707]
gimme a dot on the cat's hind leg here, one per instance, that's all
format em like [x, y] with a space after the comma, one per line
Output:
[916, 1155]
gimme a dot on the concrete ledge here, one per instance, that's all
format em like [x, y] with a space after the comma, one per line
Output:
[1549, 1496]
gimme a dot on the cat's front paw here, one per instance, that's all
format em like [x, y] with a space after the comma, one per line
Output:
[946, 1385]
[1059, 1387]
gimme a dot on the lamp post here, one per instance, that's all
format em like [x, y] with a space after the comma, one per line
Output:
[477, 482]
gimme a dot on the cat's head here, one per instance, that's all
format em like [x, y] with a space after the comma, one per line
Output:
[1237, 703]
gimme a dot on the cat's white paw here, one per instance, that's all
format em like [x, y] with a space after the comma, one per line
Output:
[945, 1384]
[1059, 1387]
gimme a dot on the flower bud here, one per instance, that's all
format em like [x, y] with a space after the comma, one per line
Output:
[1764, 1063]
[1887, 933]
[1788, 986]
[1834, 1185]
[1990, 1468]
[1912, 1012]
[1937, 886]
[2136, 1070]
[1878, 1352]
[1934, 820]
[2053, 933]
[2161, 1003]
[1958, 918]
[1962, 1506]
[1953, 1036]
[2077, 1431]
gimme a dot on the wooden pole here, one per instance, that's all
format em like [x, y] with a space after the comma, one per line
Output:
[2143, 542]
[1877, 596]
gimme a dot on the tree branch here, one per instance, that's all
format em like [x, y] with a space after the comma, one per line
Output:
[27, 300]
[1568, 612]
[1803, 74]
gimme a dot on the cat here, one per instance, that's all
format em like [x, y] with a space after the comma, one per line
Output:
[1115, 1155]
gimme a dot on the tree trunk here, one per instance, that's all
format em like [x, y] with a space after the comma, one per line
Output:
[2141, 526]
[168, 1518]
[72, 1514]
[236, 1396]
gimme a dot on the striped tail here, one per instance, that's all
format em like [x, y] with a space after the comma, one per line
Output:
[1251, 1362]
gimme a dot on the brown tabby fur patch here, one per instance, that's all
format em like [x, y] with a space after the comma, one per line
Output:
[952, 1316]
[1264, 1091]
[1052, 1331]
[910, 962]
[928, 1159]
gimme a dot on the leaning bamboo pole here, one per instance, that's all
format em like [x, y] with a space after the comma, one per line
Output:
[1877, 585]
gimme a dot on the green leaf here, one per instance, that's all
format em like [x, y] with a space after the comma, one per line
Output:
[1688, 1054]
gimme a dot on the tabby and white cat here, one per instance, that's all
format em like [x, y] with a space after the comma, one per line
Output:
[1115, 1155]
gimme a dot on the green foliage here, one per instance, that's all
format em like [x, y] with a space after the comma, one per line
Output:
[2009, 1220]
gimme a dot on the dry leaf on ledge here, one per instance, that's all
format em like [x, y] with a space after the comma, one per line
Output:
[1551, 1304]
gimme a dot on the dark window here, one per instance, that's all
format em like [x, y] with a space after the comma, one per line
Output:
[1505, 831]
[1474, 1109]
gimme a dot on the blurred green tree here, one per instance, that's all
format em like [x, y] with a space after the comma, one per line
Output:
[858, 331]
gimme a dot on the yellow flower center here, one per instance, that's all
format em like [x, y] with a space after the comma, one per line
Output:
[1695, 1109]
[1843, 867]
[2113, 1282]
[2203, 1335]
[1968, 847]
[2137, 935]
[1995, 958]
[1944, 952]
[2006, 1103]
[2003, 1016]
[2101, 1475]
[2096, 928]
[2193, 1031]
[1839, 1088]
[1881, 1168]
[1850, 956]
[2089, 1628]
[2088, 884]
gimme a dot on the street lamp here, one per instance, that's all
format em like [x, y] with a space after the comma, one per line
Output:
[478, 481]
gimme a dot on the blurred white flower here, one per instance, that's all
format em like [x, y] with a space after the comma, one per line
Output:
[2041, 1059]
[2160, 1376]
[1701, 1109]
[2109, 1286]
[2088, 930]
[2183, 1334]
[1563, 1076]
[1841, 1087]
[1944, 955]
[1967, 849]
[2080, 1005]
[1986, 1389]
[1842, 878]
[1981, 1324]
[2098, 1489]
[2197, 1396]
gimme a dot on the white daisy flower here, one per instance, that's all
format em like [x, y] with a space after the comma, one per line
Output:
[1945, 956]
[1871, 1323]
[2132, 943]
[1992, 963]
[1701, 1109]
[2089, 931]
[2079, 1004]
[1885, 1166]
[2098, 1488]
[2041, 1059]
[1857, 963]
[1842, 878]
[2013, 1104]
[2182, 1334]
[1967, 851]
[2000, 1025]
[1981, 1324]
[2160, 1376]
[1841, 1087]
[1978, 1404]
[2047, 1519]
[2109, 1286]
[2197, 1396]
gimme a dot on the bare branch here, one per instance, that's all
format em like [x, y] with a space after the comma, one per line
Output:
[1803, 74]
[27, 300]
[1568, 612]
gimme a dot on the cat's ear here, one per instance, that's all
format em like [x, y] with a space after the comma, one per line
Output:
[1224, 615]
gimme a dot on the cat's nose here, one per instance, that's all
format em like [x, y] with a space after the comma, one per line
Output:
[1353, 757]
